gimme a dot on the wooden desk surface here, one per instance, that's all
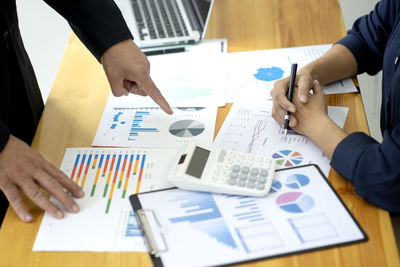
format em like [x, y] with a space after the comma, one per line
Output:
[79, 94]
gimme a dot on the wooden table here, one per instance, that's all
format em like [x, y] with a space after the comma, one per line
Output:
[74, 108]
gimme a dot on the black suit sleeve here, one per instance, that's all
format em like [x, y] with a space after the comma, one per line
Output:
[98, 23]
[4, 136]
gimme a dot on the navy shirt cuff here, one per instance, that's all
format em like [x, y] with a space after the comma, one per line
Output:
[347, 152]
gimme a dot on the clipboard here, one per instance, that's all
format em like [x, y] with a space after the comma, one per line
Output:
[302, 213]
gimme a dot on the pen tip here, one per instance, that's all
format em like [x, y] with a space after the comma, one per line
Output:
[285, 132]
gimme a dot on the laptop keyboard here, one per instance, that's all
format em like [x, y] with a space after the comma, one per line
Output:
[158, 19]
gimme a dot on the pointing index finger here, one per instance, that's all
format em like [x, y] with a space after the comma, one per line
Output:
[151, 89]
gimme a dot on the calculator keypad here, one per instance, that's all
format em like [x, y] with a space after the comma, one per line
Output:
[243, 169]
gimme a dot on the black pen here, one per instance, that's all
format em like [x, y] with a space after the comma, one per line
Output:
[292, 83]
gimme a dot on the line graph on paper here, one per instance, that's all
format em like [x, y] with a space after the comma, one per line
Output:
[252, 129]
[258, 128]
[238, 137]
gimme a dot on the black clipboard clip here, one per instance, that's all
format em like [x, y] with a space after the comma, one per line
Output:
[152, 231]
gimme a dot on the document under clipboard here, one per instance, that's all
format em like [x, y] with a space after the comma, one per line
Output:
[301, 213]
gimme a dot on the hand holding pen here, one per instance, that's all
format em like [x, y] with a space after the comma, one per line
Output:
[292, 83]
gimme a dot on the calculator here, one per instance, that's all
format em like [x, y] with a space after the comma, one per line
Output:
[212, 169]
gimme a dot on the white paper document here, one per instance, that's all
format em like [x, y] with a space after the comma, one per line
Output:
[252, 74]
[106, 221]
[301, 213]
[124, 126]
[251, 128]
[196, 78]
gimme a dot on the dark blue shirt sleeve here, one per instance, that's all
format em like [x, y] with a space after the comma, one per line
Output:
[373, 168]
[4, 135]
[368, 37]
[98, 23]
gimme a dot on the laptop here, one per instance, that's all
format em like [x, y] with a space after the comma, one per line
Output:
[159, 24]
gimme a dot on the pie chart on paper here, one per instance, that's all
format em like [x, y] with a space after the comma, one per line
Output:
[191, 108]
[269, 74]
[287, 158]
[295, 202]
[186, 128]
[297, 181]
[275, 187]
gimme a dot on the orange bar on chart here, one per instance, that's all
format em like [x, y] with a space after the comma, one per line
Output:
[105, 166]
[94, 161]
[113, 183]
[127, 176]
[78, 177]
[97, 175]
[86, 171]
[140, 174]
[122, 171]
[109, 176]
[75, 165]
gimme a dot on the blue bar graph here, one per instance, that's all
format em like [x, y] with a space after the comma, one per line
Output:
[136, 126]
[133, 227]
[198, 207]
[201, 211]
[247, 209]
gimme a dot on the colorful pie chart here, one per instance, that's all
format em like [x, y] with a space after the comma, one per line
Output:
[287, 158]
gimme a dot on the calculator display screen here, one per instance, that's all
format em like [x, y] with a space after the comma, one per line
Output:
[198, 162]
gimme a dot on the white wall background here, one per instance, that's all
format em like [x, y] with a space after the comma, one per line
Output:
[45, 34]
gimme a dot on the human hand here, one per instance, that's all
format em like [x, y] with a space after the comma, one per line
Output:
[308, 115]
[22, 168]
[281, 103]
[128, 71]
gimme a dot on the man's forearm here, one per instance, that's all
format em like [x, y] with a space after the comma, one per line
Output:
[337, 63]
[326, 135]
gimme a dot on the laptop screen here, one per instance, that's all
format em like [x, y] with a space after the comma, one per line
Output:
[198, 11]
[158, 23]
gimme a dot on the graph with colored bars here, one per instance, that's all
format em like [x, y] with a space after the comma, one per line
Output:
[117, 173]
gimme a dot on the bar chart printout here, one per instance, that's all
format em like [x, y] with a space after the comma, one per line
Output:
[201, 229]
[136, 125]
[151, 127]
[107, 176]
